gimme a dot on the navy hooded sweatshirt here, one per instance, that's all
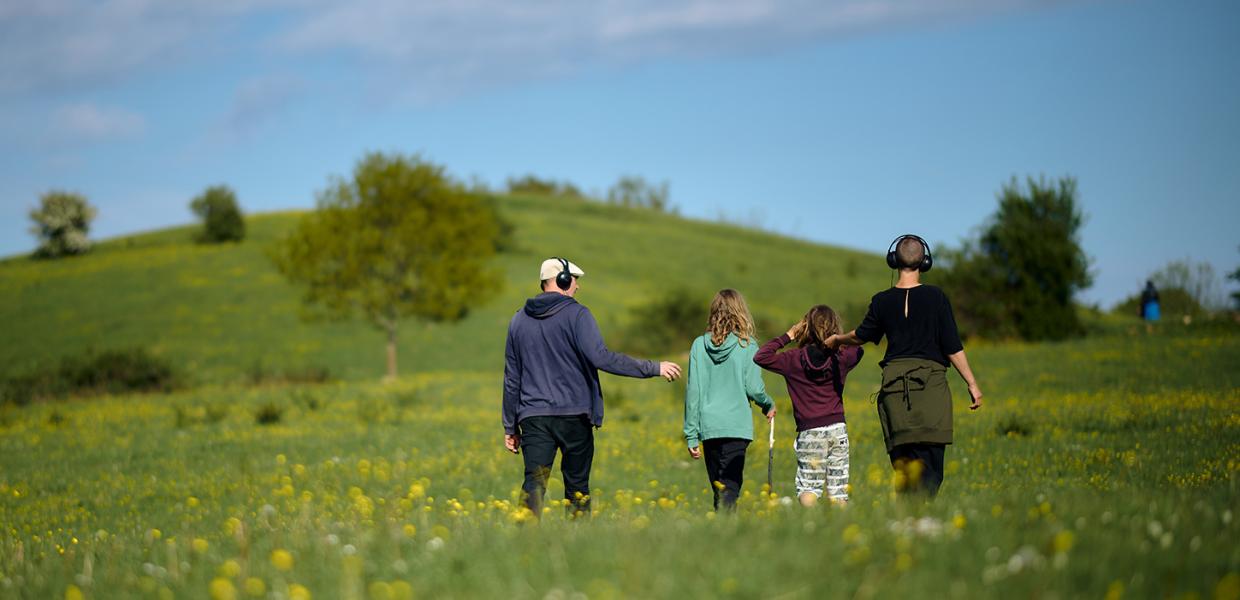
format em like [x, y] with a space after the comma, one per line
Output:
[551, 362]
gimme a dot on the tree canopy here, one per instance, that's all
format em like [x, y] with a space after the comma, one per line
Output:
[400, 239]
[1019, 276]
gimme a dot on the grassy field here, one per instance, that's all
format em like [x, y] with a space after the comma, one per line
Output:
[1107, 466]
[1064, 486]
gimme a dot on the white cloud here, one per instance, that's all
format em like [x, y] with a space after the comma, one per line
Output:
[93, 123]
[437, 49]
[78, 44]
[429, 48]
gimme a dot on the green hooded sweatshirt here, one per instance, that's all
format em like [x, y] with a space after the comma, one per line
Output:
[722, 381]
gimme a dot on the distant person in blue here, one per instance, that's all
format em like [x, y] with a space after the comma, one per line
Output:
[1150, 310]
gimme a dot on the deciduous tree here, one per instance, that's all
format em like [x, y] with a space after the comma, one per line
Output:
[1019, 277]
[62, 223]
[221, 217]
[398, 240]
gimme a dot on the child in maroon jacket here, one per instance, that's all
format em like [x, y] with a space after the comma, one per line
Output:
[815, 377]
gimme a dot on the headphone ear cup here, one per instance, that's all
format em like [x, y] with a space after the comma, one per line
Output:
[891, 260]
[564, 279]
[926, 263]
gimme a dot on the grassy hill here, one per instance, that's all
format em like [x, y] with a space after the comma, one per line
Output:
[219, 311]
[1107, 466]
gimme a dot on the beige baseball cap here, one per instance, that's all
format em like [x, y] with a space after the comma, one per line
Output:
[552, 267]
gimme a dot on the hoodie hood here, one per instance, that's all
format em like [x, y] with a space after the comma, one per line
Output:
[720, 353]
[816, 363]
[546, 304]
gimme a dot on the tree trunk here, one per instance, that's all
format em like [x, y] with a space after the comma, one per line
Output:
[391, 353]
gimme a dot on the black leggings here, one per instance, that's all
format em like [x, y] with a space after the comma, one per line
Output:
[725, 465]
[541, 437]
[930, 471]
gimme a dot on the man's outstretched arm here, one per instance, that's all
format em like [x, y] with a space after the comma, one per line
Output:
[590, 341]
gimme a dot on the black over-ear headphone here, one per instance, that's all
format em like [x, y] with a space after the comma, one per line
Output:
[893, 260]
[563, 279]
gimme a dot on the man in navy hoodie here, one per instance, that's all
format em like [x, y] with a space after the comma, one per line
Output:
[552, 398]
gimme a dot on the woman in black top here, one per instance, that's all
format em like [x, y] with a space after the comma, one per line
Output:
[917, 321]
[922, 340]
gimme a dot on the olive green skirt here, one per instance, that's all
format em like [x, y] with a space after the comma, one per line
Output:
[914, 403]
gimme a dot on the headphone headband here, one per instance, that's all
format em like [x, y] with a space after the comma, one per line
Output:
[563, 279]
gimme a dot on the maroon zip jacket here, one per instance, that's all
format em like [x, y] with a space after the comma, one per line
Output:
[816, 384]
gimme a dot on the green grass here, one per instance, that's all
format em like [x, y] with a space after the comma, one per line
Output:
[220, 311]
[1103, 466]
[1071, 486]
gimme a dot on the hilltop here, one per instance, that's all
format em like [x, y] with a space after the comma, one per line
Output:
[220, 312]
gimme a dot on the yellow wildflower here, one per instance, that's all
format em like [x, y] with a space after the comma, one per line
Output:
[282, 559]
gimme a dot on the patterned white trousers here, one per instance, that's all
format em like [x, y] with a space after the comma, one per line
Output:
[822, 461]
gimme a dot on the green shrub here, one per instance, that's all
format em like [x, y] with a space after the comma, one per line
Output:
[25, 388]
[111, 371]
[667, 323]
[221, 218]
[1013, 427]
[116, 371]
[268, 414]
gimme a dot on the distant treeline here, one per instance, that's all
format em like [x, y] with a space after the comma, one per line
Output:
[629, 190]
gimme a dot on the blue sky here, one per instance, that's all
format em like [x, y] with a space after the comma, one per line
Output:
[847, 122]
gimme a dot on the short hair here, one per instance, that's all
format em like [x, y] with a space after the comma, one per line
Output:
[910, 253]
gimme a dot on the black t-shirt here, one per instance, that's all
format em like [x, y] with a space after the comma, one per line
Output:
[928, 331]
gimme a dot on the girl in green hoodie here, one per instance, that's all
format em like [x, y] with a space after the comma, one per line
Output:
[723, 379]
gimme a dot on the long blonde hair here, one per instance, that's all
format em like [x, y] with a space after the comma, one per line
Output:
[729, 314]
[821, 322]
